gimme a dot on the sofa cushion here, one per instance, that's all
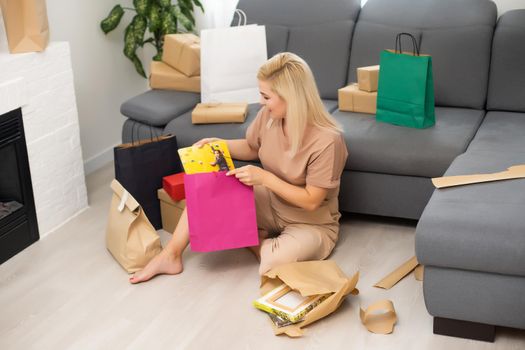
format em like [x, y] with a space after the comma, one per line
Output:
[478, 227]
[330, 105]
[507, 69]
[502, 132]
[457, 33]
[320, 34]
[158, 107]
[389, 149]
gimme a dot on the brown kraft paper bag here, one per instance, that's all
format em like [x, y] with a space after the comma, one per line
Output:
[311, 278]
[130, 237]
[26, 25]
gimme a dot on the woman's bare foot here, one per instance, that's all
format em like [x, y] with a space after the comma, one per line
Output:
[163, 263]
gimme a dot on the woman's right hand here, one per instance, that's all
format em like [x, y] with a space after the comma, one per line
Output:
[202, 142]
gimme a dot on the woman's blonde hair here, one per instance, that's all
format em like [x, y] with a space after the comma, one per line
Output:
[291, 78]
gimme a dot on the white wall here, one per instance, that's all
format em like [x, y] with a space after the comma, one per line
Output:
[104, 78]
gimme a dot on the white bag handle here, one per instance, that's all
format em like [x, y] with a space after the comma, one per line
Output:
[242, 16]
[123, 200]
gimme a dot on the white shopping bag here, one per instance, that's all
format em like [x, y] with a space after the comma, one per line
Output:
[230, 59]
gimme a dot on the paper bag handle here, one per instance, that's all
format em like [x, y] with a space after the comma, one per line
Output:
[242, 17]
[415, 47]
[138, 134]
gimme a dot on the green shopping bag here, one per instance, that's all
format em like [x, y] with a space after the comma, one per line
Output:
[405, 93]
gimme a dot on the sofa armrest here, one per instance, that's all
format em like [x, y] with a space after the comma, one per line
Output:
[158, 107]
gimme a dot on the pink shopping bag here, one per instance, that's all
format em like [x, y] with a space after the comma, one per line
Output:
[221, 212]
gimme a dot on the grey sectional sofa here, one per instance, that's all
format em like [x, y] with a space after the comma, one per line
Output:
[472, 239]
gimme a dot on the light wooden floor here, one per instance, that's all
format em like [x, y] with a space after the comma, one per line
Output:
[66, 292]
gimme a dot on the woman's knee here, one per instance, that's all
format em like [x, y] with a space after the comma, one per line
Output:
[273, 253]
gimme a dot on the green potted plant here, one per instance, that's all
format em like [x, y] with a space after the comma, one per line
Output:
[159, 17]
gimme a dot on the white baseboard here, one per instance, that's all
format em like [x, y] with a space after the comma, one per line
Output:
[99, 160]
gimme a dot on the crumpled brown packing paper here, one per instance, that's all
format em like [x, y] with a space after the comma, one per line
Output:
[311, 278]
[380, 317]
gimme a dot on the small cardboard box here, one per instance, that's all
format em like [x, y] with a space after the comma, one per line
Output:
[367, 78]
[210, 113]
[164, 76]
[183, 52]
[351, 99]
[170, 210]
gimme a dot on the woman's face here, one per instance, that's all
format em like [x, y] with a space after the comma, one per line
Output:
[273, 102]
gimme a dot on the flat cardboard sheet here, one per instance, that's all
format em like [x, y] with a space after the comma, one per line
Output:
[514, 172]
[380, 317]
[311, 278]
[164, 76]
[398, 274]
[368, 78]
[351, 99]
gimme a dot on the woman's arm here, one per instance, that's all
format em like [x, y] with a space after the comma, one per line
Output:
[239, 149]
[309, 197]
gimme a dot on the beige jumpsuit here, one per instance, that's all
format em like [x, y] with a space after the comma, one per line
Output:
[289, 233]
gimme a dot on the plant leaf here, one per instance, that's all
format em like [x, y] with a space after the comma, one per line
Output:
[139, 28]
[169, 24]
[142, 6]
[158, 56]
[188, 13]
[130, 47]
[165, 3]
[112, 20]
[186, 23]
[198, 3]
[154, 17]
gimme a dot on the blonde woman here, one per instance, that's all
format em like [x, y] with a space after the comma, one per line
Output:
[302, 152]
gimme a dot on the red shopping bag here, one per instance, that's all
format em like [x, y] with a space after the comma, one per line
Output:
[221, 212]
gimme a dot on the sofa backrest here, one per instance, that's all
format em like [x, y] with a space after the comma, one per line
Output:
[507, 67]
[457, 33]
[318, 31]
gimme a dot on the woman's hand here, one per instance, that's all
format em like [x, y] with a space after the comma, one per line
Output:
[202, 142]
[250, 175]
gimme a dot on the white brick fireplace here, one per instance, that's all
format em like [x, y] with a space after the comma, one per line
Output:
[42, 84]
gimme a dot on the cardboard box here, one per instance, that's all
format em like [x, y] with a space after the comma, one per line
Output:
[210, 113]
[170, 210]
[165, 77]
[351, 99]
[367, 78]
[183, 52]
[174, 186]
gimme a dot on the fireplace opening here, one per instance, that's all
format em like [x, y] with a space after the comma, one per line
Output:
[18, 223]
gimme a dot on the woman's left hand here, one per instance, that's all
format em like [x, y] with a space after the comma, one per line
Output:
[249, 175]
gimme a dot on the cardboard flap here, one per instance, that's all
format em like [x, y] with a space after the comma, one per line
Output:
[124, 195]
[398, 274]
[513, 172]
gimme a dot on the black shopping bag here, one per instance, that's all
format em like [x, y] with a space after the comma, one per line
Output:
[140, 167]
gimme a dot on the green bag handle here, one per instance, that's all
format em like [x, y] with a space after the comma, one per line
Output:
[415, 46]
